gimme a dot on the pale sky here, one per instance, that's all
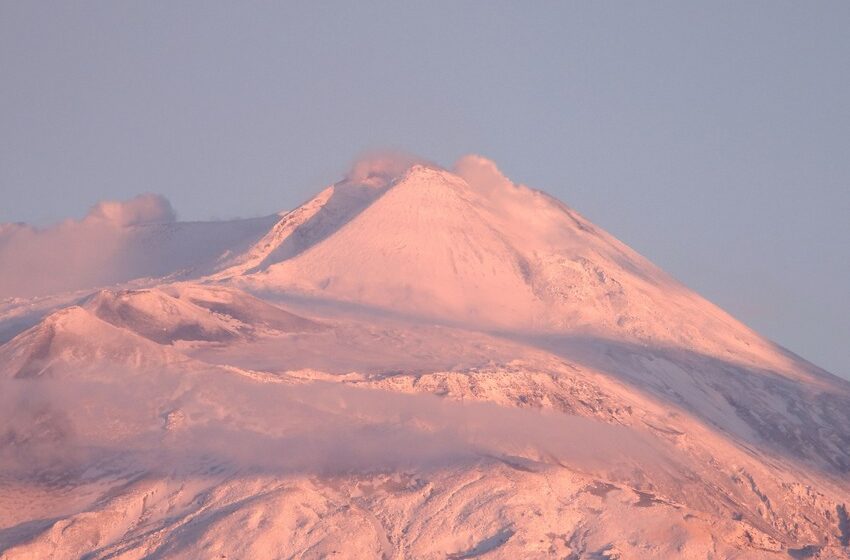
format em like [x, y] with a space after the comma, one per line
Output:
[712, 137]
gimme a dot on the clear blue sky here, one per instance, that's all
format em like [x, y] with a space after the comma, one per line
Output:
[712, 137]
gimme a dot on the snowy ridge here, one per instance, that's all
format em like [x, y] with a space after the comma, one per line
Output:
[416, 363]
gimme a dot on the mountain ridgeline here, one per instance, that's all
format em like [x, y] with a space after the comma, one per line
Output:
[415, 363]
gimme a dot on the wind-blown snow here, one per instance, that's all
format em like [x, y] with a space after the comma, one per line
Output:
[381, 168]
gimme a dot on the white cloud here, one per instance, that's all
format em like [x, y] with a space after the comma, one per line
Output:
[74, 253]
[314, 428]
[143, 209]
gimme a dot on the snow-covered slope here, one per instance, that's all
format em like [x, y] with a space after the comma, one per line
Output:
[190, 312]
[303, 227]
[74, 340]
[485, 252]
[416, 363]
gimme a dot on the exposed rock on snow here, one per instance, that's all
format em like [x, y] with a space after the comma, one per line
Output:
[416, 363]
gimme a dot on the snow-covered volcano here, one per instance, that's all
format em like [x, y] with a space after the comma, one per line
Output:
[416, 363]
